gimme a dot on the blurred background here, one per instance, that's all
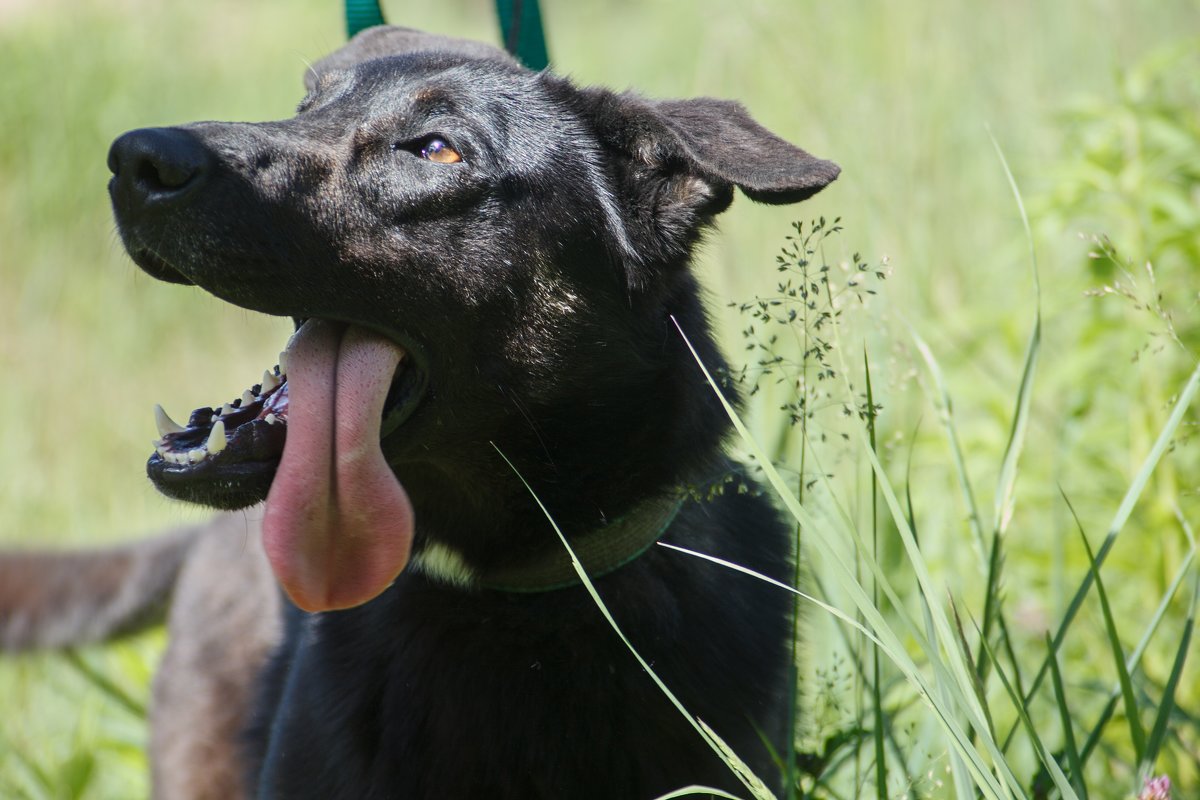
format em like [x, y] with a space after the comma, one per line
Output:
[1094, 103]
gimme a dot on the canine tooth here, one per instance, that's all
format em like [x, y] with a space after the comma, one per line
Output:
[269, 381]
[283, 365]
[196, 456]
[216, 438]
[165, 424]
[247, 397]
[227, 409]
[271, 419]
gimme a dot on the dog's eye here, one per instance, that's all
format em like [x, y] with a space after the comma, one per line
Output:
[431, 148]
[436, 149]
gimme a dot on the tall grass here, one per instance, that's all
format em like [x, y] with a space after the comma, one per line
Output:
[884, 478]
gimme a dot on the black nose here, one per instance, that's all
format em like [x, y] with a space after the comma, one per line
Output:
[157, 165]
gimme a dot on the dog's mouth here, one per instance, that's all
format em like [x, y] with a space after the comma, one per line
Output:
[338, 525]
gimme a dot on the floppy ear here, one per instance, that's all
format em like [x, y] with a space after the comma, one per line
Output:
[722, 143]
[390, 40]
[676, 163]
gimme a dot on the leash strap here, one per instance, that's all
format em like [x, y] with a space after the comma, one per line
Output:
[361, 14]
[521, 28]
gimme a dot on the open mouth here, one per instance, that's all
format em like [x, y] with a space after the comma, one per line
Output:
[226, 456]
[338, 526]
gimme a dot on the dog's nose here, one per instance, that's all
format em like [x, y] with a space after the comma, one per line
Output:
[154, 165]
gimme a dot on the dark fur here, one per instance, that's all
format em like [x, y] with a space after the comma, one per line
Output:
[533, 286]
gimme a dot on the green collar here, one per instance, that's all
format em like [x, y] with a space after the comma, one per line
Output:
[601, 550]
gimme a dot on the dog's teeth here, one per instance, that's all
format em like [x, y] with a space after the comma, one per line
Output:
[159, 447]
[227, 409]
[196, 456]
[175, 458]
[271, 419]
[216, 438]
[214, 417]
[283, 363]
[164, 423]
[269, 381]
[247, 397]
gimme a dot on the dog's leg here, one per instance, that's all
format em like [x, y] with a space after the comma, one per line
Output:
[224, 623]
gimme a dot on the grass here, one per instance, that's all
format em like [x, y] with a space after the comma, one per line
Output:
[1071, 406]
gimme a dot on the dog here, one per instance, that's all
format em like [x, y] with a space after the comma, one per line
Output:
[488, 270]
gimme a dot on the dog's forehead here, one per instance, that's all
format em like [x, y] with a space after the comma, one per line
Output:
[432, 81]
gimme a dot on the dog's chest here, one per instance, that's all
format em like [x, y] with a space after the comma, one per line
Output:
[450, 694]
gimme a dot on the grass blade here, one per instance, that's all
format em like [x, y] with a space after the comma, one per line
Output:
[1159, 731]
[1064, 712]
[1006, 482]
[1141, 478]
[876, 690]
[1136, 656]
[97, 679]
[723, 751]
[965, 646]
[1055, 772]
[894, 648]
[947, 418]
[1005, 489]
[694, 791]
[1136, 733]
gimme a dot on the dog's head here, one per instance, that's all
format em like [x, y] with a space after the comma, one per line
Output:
[475, 255]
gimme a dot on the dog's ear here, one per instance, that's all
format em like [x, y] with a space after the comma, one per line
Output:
[718, 140]
[676, 163]
[390, 40]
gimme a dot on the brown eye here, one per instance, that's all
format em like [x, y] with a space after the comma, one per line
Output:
[436, 149]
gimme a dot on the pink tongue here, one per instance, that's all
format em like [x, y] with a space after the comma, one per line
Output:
[338, 526]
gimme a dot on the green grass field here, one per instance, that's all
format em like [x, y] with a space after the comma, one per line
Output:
[1094, 104]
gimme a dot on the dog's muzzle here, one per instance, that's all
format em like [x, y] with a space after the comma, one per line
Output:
[156, 171]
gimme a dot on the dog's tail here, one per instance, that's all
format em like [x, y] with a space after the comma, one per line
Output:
[58, 599]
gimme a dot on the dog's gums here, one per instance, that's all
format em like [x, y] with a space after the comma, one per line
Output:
[231, 433]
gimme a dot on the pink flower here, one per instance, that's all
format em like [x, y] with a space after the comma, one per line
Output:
[1156, 789]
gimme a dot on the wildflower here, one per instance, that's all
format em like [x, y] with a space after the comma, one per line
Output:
[1156, 789]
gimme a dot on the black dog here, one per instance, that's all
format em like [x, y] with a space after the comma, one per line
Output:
[483, 263]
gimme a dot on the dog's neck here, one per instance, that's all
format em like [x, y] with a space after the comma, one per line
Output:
[599, 551]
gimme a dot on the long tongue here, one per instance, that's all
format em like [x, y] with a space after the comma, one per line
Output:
[338, 526]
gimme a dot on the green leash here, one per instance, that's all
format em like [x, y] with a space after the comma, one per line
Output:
[520, 27]
[362, 14]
